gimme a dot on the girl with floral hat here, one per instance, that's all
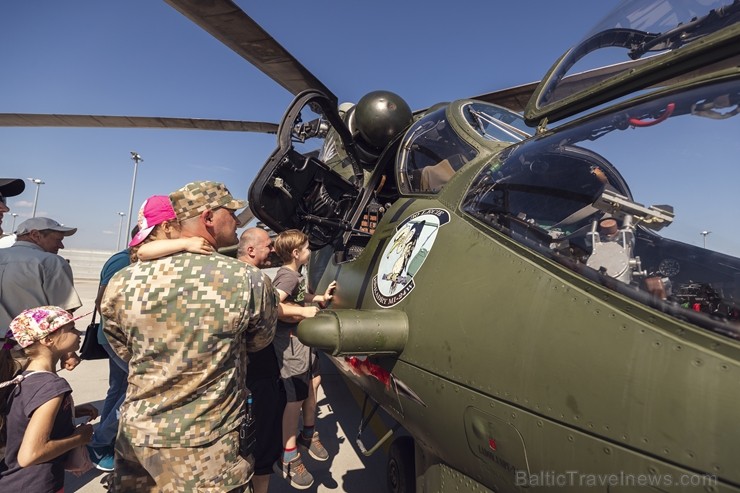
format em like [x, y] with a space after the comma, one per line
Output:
[36, 408]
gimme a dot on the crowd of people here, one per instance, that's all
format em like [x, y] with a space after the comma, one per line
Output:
[209, 387]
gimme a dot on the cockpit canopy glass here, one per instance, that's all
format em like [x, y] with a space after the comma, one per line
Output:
[643, 27]
[635, 30]
[565, 194]
[495, 123]
[550, 189]
[430, 154]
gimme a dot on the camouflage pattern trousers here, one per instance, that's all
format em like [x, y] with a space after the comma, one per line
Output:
[215, 467]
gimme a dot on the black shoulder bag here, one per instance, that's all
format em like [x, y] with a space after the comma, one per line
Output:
[91, 348]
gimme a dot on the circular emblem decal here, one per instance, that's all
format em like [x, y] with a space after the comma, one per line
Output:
[405, 254]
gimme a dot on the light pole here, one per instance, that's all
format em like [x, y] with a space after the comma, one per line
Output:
[705, 234]
[120, 226]
[12, 229]
[136, 159]
[38, 183]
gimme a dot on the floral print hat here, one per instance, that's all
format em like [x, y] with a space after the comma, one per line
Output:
[36, 323]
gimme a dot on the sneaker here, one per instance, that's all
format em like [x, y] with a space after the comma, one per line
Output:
[107, 481]
[314, 446]
[295, 472]
[102, 460]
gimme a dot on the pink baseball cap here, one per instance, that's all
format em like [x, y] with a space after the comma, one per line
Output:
[155, 210]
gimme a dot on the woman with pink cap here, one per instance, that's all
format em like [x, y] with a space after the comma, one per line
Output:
[157, 221]
[36, 408]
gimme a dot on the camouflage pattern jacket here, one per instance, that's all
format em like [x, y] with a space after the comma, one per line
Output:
[184, 323]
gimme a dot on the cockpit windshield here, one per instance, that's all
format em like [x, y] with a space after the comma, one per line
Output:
[430, 154]
[495, 123]
[432, 151]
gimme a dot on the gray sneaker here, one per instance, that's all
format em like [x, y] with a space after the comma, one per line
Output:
[314, 446]
[294, 472]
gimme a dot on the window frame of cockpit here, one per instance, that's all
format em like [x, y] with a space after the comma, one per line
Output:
[469, 140]
[469, 151]
[518, 133]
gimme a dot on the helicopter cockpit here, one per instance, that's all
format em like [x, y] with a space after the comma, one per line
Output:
[566, 195]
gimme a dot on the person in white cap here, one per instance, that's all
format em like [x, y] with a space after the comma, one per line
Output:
[32, 274]
[44, 232]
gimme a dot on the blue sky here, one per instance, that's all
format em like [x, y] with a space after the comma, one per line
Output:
[143, 58]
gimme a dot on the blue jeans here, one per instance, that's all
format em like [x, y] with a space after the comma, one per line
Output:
[107, 429]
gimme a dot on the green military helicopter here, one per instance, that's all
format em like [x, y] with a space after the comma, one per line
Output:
[505, 295]
[503, 292]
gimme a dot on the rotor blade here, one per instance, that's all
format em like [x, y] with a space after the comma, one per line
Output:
[244, 217]
[224, 20]
[41, 120]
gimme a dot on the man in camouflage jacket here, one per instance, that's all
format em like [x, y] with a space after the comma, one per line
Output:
[184, 324]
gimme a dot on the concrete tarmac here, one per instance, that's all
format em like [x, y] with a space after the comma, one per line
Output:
[347, 470]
